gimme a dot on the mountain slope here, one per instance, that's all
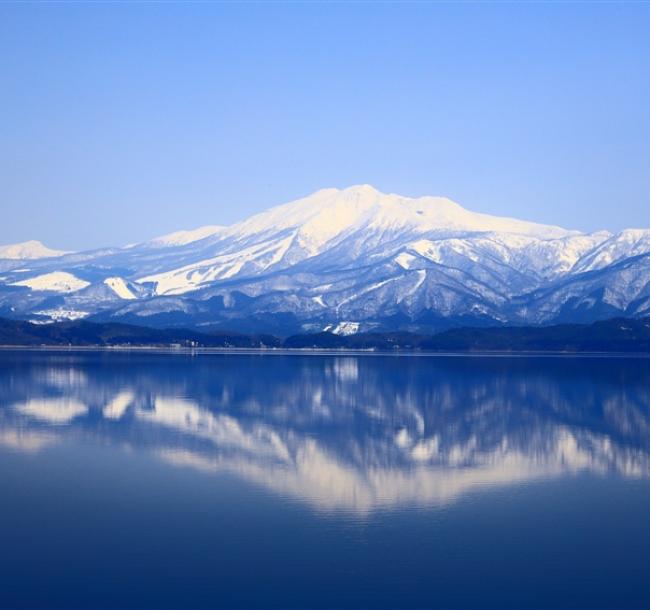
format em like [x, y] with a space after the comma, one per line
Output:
[182, 238]
[356, 257]
[28, 250]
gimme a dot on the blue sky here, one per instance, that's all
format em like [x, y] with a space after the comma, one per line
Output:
[120, 121]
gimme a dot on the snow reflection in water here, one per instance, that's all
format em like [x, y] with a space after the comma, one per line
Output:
[344, 433]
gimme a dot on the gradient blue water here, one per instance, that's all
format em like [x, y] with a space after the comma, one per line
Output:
[133, 480]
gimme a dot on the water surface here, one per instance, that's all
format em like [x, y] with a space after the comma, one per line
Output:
[135, 480]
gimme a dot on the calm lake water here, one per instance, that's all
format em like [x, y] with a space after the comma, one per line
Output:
[133, 480]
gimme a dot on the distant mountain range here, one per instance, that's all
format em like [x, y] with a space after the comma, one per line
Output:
[341, 261]
[618, 335]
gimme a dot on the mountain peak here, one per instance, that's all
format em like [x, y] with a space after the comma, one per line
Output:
[347, 259]
[28, 250]
[361, 189]
[328, 213]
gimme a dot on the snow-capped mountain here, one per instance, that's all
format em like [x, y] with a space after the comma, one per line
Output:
[182, 238]
[345, 260]
[28, 250]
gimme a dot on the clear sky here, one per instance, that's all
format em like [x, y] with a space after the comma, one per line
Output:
[120, 122]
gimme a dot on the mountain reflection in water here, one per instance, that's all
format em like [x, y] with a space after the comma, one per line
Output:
[355, 433]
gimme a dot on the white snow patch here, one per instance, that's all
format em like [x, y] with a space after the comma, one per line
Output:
[404, 260]
[259, 258]
[28, 250]
[56, 315]
[346, 328]
[365, 291]
[421, 276]
[428, 249]
[120, 288]
[57, 281]
[181, 238]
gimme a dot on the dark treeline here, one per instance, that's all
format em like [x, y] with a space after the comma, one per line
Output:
[617, 335]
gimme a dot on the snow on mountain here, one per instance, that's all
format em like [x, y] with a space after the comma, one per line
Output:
[343, 328]
[120, 288]
[28, 250]
[351, 259]
[332, 213]
[305, 228]
[616, 290]
[631, 242]
[181, 238]
[47, 316]
[544, 258]
[258, 257]
[57, 281]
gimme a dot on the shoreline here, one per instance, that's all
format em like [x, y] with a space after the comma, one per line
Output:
[314, 351]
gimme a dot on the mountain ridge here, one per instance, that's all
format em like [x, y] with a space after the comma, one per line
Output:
[28, 250]
[353, 256]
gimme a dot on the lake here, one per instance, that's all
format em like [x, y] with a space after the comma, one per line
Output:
[176, 480]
